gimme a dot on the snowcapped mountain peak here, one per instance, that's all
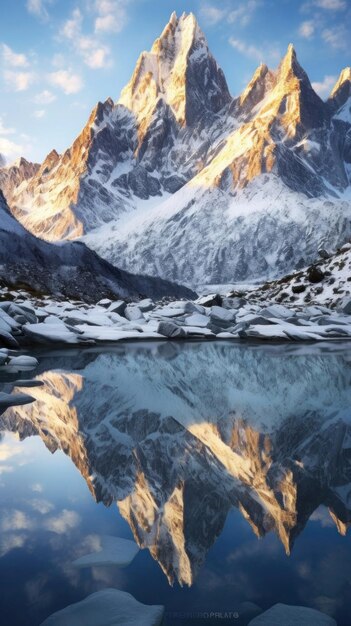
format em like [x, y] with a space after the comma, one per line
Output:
[342, 90]
[262, 81]
[181, 71]
[49, 162]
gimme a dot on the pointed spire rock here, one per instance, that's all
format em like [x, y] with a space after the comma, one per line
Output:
[180, 71]
[261, 82]
[300, 108]
[341, 91]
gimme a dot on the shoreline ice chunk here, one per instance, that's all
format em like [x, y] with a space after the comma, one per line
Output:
[109, 551]
[109, 607]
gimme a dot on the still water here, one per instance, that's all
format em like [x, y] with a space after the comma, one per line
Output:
[229, 465]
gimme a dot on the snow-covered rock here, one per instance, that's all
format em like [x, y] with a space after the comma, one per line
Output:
[108, 550]
[106, 608]
[282, 614]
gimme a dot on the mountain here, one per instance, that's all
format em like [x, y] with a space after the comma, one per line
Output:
[178, 178]
[134, 150]
[69, 268]
[171, 447]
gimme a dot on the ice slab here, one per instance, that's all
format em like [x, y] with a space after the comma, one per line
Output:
[109, 607]
[109, 551]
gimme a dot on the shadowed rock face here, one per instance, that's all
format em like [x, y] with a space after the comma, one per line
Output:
[265, 433]
[69, 268]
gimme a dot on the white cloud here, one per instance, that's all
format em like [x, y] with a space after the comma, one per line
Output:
[324, 87]
[12, 58]
[10, 542]
[39, 113]
[97, 59]
[307, 29]
[112, 15]
[67, 520]
[72, 27]
[336, 37]
[10, 149]
[253, 52]
[212, 15]
[331, 5]
[94, 54]
[18, 81]
[15, 520]
[244, 12]
[246, 49]
[241, 15]
[45, 97]
[42, 506]
[6, 451]
[67, 81]
[37, 488]
[38, 8]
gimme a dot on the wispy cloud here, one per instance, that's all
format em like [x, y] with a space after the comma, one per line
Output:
[13, 59]
[331, 5]
[95, 54]
[66, 80]
[41, 506]
[337, 37]
[39, 113]
[248, 50]
[62, 523]
[18, 81]
[44, 97]
[15, 520]
[307, 29]
[212, 15]
[324, 87]
[112, 15]
[254, 52]
[39, 8]
[244, 12]
[241, 15]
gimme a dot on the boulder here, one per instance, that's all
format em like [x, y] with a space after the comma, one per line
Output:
[212, 299]
[168, 329]
[315, 274]
[146, 305]
[117, 307]
[133, 313]
[285, 615]
[222, 317]
[106, 608]
[196, 319]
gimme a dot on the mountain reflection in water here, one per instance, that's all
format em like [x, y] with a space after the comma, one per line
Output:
[177, 435]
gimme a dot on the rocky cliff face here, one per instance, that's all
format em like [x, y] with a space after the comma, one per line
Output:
[148, 431]
[233, 168]
[70, 268]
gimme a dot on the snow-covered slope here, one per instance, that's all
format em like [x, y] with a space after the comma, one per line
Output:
[68, 268]
[203, 235]
[146, 429]
[326, 282]
[195, 185]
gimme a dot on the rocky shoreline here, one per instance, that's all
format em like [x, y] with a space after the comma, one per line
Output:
[26, 320]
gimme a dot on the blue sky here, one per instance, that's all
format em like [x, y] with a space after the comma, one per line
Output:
[59, 57]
